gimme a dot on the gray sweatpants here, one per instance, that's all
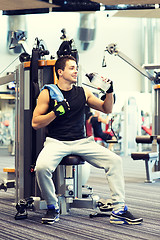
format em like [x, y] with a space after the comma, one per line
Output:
[93, 153]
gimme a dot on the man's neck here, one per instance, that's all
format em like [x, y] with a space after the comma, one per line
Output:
[65, 86]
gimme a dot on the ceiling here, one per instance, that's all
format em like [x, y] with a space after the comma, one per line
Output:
[134, 2]
[15, 7]
[24, 4]
[150, 13]
[134, 8]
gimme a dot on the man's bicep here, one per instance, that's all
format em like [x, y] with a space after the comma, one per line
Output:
[42, 104]
[93, 101]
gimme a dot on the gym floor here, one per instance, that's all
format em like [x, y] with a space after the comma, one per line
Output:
[143, 200]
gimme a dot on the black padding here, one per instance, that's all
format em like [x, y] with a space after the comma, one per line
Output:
[72, 160]
[111, 141]
[36, 90]
[144, 155]
[144, 139]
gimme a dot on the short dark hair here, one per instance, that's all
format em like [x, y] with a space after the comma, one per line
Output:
[61, 63]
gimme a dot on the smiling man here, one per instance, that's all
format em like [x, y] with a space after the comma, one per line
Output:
[65, 123]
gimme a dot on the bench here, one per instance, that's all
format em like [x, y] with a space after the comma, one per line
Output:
[10, 173]
[10, 181]
[151, 158]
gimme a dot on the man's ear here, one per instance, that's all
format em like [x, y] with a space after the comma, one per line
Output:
[60, 72]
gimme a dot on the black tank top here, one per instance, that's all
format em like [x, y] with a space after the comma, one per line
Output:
[70, 126]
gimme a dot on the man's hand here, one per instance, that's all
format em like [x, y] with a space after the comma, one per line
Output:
[110, 90]
[61, 108]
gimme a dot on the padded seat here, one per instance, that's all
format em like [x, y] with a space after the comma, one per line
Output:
[112, 141]
[144, 139]
[150, 159]
[144, 155]
[98, 139]
[72, 160]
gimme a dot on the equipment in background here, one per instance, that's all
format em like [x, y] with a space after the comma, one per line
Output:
[132, 123]
[27, 84]
[16, 36]
[17, 31]
[112, 131]
[152, 159]
[108, 130]
[146, 123]
[22, 207]
[30, 77]
[8, 182]
[39, 48]
[112, 49]
[87, 31]
[18, 43]
[104, 61]
[66, 47]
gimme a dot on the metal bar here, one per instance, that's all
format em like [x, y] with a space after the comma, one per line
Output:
[17, 137]
[136, 66]
[112, 49]
[7, 79]
[21, 131]
[151, 66]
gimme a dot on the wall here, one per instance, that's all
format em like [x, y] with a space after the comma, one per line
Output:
[126, 32]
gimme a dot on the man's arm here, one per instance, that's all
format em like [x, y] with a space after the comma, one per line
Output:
[105, 106]
[40, 116]
[103, 120]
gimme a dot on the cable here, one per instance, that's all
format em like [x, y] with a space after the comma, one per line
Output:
[10, 64]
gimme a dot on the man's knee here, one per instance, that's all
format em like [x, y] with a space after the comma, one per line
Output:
[43, 173]
[116, 159]
[42, 169]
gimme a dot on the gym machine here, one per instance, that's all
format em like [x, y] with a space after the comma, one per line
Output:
[68, 175]
[30, 76]
[28, 141]
[152, 159]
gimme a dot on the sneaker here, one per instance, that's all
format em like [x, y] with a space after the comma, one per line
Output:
[124, 217]
[51, 216]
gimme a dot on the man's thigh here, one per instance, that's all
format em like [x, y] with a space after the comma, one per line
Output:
[95, 154]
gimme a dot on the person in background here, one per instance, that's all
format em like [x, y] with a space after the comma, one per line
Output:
[96, 121]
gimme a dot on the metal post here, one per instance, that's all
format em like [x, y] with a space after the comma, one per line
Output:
[20, 116]
[17, 135]
[156, 120]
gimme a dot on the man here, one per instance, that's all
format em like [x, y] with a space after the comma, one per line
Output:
[65, 123]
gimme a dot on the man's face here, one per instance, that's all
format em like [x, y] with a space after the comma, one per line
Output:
[70, 71]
